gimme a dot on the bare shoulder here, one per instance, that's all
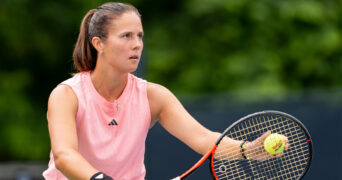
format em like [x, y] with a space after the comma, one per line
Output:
[159, 94]
[154, 89]
[62, 92]
[158, 97]
[62, 97]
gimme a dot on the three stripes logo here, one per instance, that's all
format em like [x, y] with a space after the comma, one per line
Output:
[113, 123]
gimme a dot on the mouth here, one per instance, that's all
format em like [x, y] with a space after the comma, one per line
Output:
[134, 58]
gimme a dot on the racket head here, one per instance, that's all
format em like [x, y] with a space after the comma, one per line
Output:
[294, 162]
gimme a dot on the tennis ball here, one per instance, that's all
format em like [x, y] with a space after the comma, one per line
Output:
[274, 143]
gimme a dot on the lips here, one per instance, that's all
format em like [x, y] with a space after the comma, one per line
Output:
[134, 57]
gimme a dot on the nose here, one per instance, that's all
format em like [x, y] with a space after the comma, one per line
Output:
[138, 43]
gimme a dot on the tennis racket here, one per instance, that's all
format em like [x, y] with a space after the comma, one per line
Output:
[292, 164]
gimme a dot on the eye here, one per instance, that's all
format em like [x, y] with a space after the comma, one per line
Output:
[127, 35]
[140, 35]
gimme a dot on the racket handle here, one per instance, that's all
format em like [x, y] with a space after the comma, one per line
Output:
[176, 178]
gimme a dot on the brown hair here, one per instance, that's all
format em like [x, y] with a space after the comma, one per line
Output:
[95, 24]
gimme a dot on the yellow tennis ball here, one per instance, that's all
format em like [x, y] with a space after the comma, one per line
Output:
[274, 143]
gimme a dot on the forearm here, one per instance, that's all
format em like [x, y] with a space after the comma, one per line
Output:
[228, 149]
[73, 165]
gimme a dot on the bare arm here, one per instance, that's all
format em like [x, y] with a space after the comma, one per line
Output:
[62, 109]
[166, 108]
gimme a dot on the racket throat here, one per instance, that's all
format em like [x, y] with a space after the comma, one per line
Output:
[200, 162]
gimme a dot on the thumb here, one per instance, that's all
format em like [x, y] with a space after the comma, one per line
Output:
[264, 136]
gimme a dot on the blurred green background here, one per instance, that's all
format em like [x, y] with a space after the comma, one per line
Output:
[254, 49]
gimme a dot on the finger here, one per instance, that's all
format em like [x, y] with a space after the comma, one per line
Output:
[264, 157]
[287, 146]
[286, 139]
[264, 136]
[272, 156]
[279, 155]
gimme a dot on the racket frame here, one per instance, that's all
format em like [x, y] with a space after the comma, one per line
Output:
[210, 154]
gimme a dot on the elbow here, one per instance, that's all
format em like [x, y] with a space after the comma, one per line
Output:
[60, 158]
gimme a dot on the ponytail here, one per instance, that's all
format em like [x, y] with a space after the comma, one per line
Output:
[85, 55]
[95, 24]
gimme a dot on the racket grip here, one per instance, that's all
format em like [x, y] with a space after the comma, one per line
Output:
[176, 178]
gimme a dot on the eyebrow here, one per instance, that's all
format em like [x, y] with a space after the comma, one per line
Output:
[124, 32]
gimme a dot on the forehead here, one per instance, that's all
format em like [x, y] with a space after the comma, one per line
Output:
[128, 21]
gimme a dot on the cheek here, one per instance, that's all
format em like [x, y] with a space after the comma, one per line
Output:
[117, 47]
[122, 45]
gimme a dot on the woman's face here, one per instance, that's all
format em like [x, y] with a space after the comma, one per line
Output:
[124, 44]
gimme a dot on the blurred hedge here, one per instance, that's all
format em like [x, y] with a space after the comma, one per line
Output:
[261, 49]
[266, 47]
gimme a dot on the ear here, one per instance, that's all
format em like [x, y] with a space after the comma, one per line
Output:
[97, 43]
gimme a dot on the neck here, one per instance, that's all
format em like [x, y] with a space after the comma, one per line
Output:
[109, 84]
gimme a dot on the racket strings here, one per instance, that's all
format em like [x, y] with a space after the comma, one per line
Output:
[290, 165]
[236, 163]
[253, 170]
[251, 152]
[228, 152]
[268, 164]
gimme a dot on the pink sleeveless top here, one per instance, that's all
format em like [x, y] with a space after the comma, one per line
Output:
[111, 136]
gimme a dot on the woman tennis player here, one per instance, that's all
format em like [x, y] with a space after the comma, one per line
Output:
[99, 118]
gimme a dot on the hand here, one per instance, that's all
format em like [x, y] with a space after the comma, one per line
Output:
[255, 150]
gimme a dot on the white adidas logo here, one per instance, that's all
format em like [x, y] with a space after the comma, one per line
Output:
[100, 176]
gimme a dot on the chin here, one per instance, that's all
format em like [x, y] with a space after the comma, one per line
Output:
[132, 70]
